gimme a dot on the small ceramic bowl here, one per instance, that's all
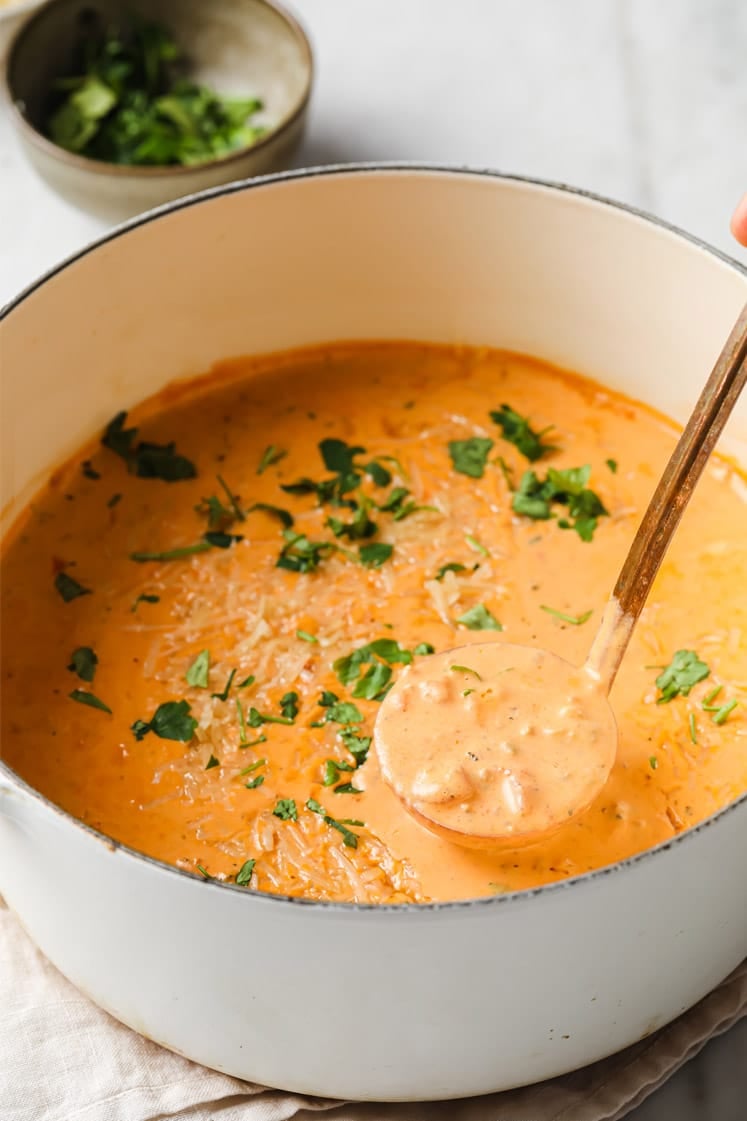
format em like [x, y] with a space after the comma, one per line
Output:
[237, 47]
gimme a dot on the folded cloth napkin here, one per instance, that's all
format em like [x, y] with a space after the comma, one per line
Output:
[63, 1059]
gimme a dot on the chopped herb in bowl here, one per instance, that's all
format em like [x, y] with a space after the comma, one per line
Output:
[129, 100]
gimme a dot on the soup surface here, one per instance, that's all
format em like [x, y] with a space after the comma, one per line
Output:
[200, 617]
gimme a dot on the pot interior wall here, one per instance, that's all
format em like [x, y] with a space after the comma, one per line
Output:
[451, 257]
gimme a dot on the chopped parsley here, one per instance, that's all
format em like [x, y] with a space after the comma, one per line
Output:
[373, 556]
[301, 555]
[253, 767]
[289, 705]
[612, 464]
[348, 838]
[722, 715]
[343, 712]
[348, 668]
[346, 788]
[476, 545]
[469, 457]
[693, 728]
[306, 637]
[424, 648]
[254, 743]
[245, 873]
[69, 588]
[574, 620]
[711, 695]
[401, 509]
[146, 460]
[373, 686]
[452, 566]
[534, 499]
[653, 762]
[518, 431]
[332, 768]
[212, 762]
[112, 502]
[257, 719]
[357, 745]
[478, 618]
[466, 669]
[83, 662]
[243, 739]
[270, 455]
[283, 516]
[197, 674]
[171, 721]
[89, 470]
[285, 809]
[224, 695]
[255, 782]
[220, 540]
[360, 527]
[685, 670]
[144, 597]
[84, 698]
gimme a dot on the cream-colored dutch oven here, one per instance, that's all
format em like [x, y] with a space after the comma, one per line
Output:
[335, 999]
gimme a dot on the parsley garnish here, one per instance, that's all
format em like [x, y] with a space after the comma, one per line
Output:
[535, 497]
[361, 525]
[653, 762]
[257, 719]
[721, 716]
[252, 767]
[574, 620]
[289, 705]
[212, 762]
[89, 699]
[89, 470]
[348, 668]
[373, 686]
[255, 782]
[146, 460]
[612, 464]
[373, 556]
[221, 540]
[69, 588]
[476, 546]
[396, 505]
[283, 516]
[343, 712]
[270, 455]
[378, 474]
[197, 674]
[356, 744]
[332, 768]
[254, 743]
[301, 555]
[424, 648]
[306, 637]
[452, 566]
[83, 661]
[478, 618]
[348, 838]
[518, 431]
[470, 456]
[466, 669]
[245, 872]
[693, 728]
[285, 809]
[171, 721]
[346, 788]
[224, 695]
[203, 872]
[684, 671]
[144, 597]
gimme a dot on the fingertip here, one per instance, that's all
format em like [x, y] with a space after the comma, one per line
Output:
[738, 224]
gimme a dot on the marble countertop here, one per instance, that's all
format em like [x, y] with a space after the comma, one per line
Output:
[643, 102]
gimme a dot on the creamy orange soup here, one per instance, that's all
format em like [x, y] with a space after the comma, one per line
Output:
[209, 700]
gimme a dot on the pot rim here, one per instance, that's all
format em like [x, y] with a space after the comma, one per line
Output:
[516, 898]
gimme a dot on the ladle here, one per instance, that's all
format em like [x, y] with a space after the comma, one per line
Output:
[496, 744]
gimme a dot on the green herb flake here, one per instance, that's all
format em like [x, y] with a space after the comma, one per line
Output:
[270, 455]
[220, 540]
[245, 873]
[83, 662]
[693, 729]
[197, 674]
[612, 464]
[84, 698]
[357, 745]
[246, 682]
[306, 637]
[112, 502]
[253, 767]
[685, 670]
[146, 460]
[424, 648]
[283, 516]
[348, 838]
[89, 470]
[144, 597]
[478, 618]
[653, 762]
[517, 430]
[469, 457]
[476, 545]
[255, 782]
[227, 688]
[452, 566]
[289, 705]
[710, 697]
[466, 669]
[346, 788]
[373, 556]
[574, 620]
[171, 721]
[299, 554]
[285, 809]
[254, 743]
[722, 715]
[534, 498]
[344, 712]
[348, 668]
[69, 588]
[373, 685]
[203, 872]
[212, 762]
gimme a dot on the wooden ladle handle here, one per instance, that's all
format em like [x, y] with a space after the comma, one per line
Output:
[668, 503]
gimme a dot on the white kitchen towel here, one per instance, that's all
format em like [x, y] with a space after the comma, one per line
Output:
[63, 1059]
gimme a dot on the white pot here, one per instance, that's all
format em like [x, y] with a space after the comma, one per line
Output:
[358, 1001]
